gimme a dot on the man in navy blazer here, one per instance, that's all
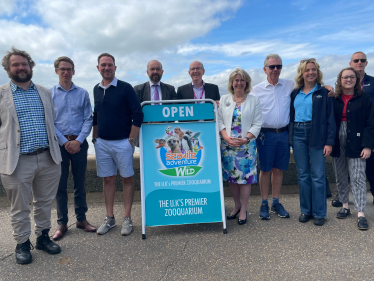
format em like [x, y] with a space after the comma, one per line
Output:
[198, 89]
[154, 89]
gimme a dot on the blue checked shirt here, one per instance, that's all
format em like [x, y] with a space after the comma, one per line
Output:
[30, 113]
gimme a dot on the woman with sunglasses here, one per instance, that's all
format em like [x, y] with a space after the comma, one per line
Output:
[311, 134]
[354, 142]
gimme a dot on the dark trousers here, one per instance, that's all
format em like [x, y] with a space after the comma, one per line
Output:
[370, 172]
[78, 168]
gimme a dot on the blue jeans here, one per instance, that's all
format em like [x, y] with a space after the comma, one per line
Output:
[310, 165]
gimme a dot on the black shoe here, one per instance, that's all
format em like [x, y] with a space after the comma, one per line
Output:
[319, 221]
[304, 218]
[23, 255]
[43, 242]
[362, 223]
[231, 217]
[240, 222]
[343, 213]
[336, 202]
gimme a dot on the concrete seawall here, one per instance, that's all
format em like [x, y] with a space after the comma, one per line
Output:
[95, 184]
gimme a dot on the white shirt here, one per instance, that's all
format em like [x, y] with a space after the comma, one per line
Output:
[275, 102]
[113, 83]
[198, 92]
[153, 90]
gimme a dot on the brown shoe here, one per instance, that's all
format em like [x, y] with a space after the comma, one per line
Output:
[86, 226]
[60, 232]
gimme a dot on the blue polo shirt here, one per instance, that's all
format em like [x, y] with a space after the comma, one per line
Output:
[304, 105]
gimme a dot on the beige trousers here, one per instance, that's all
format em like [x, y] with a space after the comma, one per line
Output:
[40, 175]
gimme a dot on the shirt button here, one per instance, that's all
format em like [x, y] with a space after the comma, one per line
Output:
[349, 131]
[348, 141]
[17, 144]
[347, 110]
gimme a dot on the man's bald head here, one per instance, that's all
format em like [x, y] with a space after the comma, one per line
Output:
[154, 71]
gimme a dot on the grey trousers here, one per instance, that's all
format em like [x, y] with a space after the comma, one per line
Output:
[40, 175]
[355, 168]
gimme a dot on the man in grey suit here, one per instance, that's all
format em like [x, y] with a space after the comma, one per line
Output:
[198, 89]
[154, 89]
[29, 154]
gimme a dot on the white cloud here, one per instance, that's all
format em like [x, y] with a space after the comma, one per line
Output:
[7, 6]
[243, 48]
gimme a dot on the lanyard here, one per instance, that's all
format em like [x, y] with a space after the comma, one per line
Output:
[202, 94]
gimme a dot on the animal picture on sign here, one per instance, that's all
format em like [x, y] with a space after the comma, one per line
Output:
[180, 152]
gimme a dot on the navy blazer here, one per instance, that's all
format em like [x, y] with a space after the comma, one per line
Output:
[186, 92]
[323, 123]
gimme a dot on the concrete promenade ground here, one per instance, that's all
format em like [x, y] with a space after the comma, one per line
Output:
[278, 249]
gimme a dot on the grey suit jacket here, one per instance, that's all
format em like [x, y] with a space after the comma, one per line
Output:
[186, 92]
[143, 91]
[10, 133]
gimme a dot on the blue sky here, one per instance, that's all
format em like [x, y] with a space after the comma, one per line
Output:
[223, 34]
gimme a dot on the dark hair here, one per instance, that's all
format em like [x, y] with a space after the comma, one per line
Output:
[63, 58]
[106, 55]
[338, 83]
[16, 52]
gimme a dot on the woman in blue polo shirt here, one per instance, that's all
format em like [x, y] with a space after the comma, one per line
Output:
[311, 134]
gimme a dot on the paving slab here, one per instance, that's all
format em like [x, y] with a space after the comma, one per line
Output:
[278, 249]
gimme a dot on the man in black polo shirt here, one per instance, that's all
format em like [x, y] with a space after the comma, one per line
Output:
[116, 121]
[359, 62]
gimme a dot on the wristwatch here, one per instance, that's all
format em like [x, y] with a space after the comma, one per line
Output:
[248, 139]
[131, 140]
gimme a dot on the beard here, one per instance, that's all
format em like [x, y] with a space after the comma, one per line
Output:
[155, 78]
[15, 76]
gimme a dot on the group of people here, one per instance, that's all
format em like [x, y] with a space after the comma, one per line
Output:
[315, 121]
[43, 132]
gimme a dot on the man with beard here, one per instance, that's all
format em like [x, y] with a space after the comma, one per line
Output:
[29, 154]
[154, 89]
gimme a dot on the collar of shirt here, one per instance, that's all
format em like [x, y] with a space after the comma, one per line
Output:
[193, 86]
[14, 87]
[113, 83]
[62, 88]
[311, 91]
[157, 84]
[267, 83]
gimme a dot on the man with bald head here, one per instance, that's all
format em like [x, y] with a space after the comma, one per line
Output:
[198, 89]
[154, 89]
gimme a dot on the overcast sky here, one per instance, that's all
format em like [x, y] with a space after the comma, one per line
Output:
[223, 34]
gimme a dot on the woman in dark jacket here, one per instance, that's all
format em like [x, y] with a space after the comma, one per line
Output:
[354, 142]
[311, 134]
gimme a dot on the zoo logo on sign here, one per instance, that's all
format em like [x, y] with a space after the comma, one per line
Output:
[180, 152]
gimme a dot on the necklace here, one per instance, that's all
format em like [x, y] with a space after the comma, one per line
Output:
[233, 97]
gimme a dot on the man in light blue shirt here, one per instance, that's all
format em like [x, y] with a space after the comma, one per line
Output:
[73, 123]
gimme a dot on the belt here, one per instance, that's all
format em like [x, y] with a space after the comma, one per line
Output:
[271, 130]
[303, 123]
[38, 151]
[70, 137]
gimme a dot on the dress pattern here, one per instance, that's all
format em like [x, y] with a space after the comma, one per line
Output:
[238, 163]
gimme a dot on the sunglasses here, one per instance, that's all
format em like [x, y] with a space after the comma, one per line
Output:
[272, 67]
[362, 60]
[308, 60]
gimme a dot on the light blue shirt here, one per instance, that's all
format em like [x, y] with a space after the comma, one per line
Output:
[73, 113]
[303, 105]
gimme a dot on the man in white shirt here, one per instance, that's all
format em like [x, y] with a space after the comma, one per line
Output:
[272, 143]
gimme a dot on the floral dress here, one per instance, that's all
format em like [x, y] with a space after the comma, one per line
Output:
[238, 163]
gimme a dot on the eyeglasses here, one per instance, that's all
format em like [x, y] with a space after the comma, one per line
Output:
[272, 67]
[362, 60]
[158, 69]
[349, 77]
[196, 68]
[65, 69]
[308, 60]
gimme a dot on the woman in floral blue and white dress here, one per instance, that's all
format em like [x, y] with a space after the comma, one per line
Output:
[239, 119]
